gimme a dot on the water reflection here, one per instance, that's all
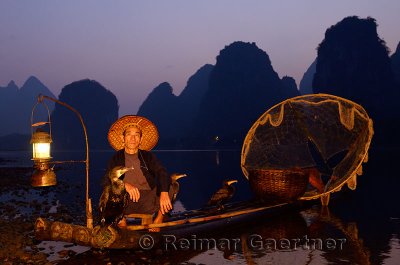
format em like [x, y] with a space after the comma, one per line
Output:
[312, 236]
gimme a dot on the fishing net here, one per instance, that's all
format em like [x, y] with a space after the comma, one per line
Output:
[307, 147]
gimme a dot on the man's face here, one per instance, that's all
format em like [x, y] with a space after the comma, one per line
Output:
[132, 138]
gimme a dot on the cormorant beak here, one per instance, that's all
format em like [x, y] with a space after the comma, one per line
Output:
[122, 171]
[180, 176]
[231, 181]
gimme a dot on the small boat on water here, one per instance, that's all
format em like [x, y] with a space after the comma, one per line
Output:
[315, 132]
[179, 225]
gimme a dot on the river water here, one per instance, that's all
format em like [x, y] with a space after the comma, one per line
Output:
[358, 227]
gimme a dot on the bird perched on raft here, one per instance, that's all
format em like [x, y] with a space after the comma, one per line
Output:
[223, 195]
[175, 184]
[114, 198]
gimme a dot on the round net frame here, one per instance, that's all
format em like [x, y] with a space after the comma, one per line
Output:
[311, 133]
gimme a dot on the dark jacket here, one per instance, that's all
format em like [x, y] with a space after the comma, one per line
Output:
[155, 174]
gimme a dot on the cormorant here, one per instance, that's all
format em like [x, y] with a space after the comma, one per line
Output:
[223, 194]
[175, 184]
[114, 197]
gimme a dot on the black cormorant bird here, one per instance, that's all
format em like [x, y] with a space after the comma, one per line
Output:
[175, 184]
[114, 198]
[223, 194]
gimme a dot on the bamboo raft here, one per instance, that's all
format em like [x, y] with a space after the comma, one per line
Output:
[179, 225]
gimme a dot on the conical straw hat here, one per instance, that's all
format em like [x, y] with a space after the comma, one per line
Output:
[149, 132]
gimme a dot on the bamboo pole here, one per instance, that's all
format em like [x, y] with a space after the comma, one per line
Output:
[202, 219]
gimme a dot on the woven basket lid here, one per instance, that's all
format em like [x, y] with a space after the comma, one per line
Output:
[149, 132]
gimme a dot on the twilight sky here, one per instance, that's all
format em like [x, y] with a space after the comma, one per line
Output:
[132, 46]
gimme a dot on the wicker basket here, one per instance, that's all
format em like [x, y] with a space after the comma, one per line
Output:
[278, 185]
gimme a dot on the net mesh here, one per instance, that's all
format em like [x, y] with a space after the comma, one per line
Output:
[307, 133]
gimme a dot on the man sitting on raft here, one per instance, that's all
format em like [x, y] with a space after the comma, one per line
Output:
[148, 183]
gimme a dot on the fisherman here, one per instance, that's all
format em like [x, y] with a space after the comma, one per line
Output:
[148, 183]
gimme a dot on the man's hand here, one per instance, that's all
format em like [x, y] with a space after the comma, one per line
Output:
[165, 203]
[133, 192]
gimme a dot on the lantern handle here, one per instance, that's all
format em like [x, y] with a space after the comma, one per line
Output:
[40, 123]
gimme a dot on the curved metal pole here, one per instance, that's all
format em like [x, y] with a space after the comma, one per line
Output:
[89, 216]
